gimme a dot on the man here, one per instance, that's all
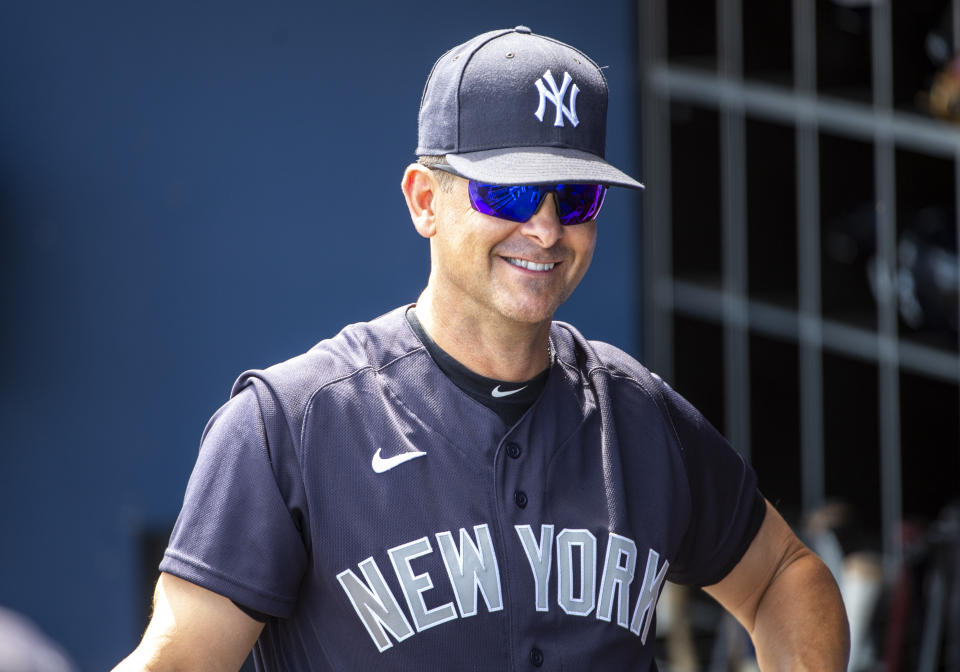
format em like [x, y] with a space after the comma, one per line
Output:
[464, 484]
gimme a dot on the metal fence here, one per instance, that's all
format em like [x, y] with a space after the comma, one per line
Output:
[855, 134]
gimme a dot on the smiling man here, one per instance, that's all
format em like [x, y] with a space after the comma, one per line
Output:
[464, 483]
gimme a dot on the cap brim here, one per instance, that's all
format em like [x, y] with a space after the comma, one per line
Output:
[538, 165]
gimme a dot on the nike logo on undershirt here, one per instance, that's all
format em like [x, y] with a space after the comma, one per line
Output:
[497, 393]
[382, 464]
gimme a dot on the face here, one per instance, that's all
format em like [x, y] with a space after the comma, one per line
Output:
[520, 271]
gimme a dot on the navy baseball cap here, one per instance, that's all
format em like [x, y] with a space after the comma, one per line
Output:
[511, 107]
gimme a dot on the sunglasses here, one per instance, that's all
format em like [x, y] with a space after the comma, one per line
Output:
[576, 203]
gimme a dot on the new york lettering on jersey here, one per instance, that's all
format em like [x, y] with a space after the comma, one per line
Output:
[473, 571]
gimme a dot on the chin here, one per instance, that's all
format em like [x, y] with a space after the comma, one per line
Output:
[529, 314]
[529, 307]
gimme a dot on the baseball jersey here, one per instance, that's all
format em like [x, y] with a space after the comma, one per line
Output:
[384, 519]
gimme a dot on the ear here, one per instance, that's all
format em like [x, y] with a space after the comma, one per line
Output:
[421, 190]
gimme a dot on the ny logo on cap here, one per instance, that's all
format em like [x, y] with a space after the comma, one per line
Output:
[555, 96]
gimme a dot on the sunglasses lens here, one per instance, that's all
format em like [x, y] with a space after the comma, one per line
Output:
[516, 203]
[578, 203]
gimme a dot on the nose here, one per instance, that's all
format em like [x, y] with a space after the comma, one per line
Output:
[544, 228]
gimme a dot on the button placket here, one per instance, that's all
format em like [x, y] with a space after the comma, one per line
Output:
[514, 451]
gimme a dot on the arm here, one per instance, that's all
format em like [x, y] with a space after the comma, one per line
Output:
[192, 628]
[788, 601]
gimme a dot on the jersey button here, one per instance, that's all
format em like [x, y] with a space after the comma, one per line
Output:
[536, 657]
[520, 497]
[513, 450]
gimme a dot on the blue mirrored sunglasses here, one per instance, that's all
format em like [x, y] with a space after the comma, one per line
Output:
[576, 203]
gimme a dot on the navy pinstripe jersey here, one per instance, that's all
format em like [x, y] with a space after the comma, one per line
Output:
[386, 520]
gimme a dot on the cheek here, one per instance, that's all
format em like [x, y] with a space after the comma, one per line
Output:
[583, 241]
[460, 251]
[474, 237]
[464, 248]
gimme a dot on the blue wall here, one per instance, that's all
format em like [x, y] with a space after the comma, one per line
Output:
[189, 191]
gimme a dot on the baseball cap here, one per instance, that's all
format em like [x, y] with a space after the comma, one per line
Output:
[512, 107]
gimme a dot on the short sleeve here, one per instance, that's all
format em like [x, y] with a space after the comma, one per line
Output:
[236, 534]
[726, 507]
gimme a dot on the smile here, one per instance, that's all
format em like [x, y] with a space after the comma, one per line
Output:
[531, 265]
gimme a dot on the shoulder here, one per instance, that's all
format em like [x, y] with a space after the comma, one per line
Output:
[625, 379]
[357, 349]
[597, 358]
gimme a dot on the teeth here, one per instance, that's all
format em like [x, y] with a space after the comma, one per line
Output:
[530, 265]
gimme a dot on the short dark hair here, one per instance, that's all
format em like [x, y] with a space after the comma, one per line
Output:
[444, 178]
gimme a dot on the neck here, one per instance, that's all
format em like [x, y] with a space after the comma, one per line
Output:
[490, 345]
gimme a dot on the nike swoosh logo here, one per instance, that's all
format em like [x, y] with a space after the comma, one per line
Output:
[382, 464]
[496, 393]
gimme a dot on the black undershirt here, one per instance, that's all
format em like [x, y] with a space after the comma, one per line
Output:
[510, 406]
[508, 400]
